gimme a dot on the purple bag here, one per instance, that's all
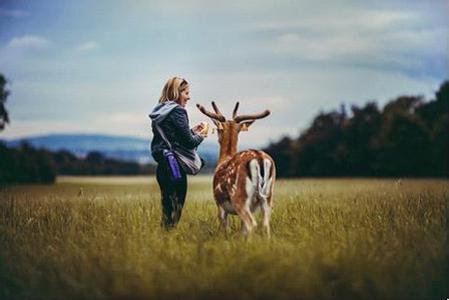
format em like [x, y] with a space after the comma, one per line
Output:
[173, 165]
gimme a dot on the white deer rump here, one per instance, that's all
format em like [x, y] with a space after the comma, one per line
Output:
[258, 187]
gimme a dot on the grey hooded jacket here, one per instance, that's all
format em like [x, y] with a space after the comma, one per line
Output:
[174, 122]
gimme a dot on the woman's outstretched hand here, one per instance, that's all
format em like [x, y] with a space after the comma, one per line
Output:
[201, 129]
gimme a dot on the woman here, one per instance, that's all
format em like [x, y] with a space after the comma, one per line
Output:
[171, 117]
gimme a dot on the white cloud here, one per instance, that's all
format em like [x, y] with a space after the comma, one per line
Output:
[347, 19]
[377, 38]
[15, 13]
[87, 46]
[29, 41]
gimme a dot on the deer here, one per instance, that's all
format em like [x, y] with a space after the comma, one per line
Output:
[243, 181]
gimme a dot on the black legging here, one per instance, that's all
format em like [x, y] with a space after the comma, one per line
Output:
[173, 195]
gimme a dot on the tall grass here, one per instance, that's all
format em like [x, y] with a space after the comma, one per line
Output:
[347, 239]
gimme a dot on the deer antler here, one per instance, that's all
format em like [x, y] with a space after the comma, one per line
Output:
[252, 117]
[217, 115]
[217, 111]
[234, 113]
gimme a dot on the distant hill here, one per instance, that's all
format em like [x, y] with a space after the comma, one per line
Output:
[113, 146]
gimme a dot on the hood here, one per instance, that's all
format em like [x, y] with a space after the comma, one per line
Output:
[161, 111]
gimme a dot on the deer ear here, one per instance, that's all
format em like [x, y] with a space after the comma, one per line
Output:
[245, 125]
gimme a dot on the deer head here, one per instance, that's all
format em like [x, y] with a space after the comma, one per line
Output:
[228, 130]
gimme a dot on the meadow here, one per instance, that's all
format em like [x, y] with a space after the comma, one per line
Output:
[99, 238]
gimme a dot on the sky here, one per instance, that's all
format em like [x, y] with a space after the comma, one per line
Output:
[99, 66]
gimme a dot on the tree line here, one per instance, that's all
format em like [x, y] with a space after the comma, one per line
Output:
[26, 164]
[408, 137]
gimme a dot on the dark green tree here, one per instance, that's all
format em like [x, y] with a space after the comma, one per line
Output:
[4, 93]
[440, 132]
[317, 151]
[403, 143]
[358, 134]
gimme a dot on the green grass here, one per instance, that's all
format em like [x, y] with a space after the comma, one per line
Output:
[94, 238]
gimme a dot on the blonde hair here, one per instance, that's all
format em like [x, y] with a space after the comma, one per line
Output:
[172, 89]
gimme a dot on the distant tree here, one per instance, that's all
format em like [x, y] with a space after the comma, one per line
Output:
[66, 162]
[440, 131]
[316, 151]
[4, 93]
[28, 168]
[435, 109]
[440, 149]
[403, 145]
[8, 164]
[359, 134]
[442, 96]
[95, 157]
[46, 166]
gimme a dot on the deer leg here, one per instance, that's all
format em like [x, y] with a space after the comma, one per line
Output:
[266, 213]
[223, 217]
[244, 229]
[248, 221]
[244, 211]
[251, 218]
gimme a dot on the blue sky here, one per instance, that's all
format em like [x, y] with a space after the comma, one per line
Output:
[99, 66]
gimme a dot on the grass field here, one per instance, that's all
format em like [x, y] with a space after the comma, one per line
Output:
[94, 238]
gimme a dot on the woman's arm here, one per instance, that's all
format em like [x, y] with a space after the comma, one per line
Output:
[184, 135]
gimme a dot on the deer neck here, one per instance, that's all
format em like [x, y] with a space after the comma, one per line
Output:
[228, 147]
